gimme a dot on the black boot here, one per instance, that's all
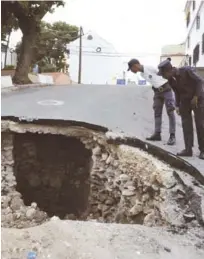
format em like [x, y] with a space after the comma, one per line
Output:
[201, 156]
[186, 152]
[172, 140]
[155, 137]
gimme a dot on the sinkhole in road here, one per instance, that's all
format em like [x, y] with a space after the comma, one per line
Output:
[76, 173]
[52, 171]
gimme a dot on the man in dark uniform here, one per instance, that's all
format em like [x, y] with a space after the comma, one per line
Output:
[189, 93]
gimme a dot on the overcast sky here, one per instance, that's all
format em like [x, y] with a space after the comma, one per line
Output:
[133, 26]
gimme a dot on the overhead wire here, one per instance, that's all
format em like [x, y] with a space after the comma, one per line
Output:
[88, 50]
[109, 54]
[116, 54]
[74, 48]
[92, 51]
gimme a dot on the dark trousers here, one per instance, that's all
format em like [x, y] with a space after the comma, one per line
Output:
[160, 98]
[187, 122]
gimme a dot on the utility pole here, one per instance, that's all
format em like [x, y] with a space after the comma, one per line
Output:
[80, 54]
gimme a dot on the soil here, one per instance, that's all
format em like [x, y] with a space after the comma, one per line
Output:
[91, 240]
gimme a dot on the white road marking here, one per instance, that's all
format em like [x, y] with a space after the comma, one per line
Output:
[50, 102]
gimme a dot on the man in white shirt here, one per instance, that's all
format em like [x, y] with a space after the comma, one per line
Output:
[162, 95]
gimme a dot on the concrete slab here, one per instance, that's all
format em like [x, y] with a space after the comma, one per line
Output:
[6, 81]
[119, 108]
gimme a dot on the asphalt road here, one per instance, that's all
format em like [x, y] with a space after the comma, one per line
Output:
[120, 108]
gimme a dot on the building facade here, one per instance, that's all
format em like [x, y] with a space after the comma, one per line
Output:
[101, 64]
[9, 59]
[177, 53]
[194, 11]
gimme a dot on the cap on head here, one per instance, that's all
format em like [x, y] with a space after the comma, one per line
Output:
[132, 62]
[164, 66]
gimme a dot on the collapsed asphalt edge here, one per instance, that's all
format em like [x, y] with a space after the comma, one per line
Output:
[54, 122]
[159, 153]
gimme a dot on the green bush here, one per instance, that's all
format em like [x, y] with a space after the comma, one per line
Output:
[9, 67]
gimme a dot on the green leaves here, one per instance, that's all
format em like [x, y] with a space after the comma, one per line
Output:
[27, 15]
[51, 44]
[22, 10]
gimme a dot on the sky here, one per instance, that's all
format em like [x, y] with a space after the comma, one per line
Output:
[140, 27]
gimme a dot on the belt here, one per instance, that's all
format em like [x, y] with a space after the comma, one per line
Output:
[163, 88]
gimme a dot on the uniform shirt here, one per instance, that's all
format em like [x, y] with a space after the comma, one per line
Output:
[150, 75]
[186, 84]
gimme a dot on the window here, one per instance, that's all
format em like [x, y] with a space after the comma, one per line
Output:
[202, 42]
[188, 19]
[194, 5]
[3, 48]
[90, 37]
[188, 42]
[196, 53]
[190, 61]
[197, 22]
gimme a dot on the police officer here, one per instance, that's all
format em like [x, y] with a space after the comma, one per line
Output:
[162, 95]
[189, 92]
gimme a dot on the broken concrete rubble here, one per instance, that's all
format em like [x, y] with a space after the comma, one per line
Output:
[112, 183]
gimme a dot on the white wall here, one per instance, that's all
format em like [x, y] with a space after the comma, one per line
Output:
[97, 67]
[176, 52]
[10, 60]
[6, 81]
[173, 49]
[196, 35]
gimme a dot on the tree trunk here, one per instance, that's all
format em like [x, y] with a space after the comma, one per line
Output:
[25, 58]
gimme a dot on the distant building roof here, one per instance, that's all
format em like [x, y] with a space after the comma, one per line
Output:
[173, 50]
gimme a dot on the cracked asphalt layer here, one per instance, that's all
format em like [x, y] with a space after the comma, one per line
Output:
[119, 108]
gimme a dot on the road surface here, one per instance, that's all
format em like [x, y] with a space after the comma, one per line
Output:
[120, 108]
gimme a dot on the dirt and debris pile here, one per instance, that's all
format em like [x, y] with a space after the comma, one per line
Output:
[73, 173]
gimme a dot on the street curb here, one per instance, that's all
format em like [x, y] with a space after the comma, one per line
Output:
[15, 88]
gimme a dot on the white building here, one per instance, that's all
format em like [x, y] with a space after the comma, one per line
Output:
[11, 57]
[101, 64]
[194, 11]
[177, 53]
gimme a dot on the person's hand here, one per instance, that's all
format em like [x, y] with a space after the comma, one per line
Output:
[177, 111]
[194, 102]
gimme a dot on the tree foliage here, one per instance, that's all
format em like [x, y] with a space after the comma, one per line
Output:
[8, 21]
[51, 44]
[28, 15]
